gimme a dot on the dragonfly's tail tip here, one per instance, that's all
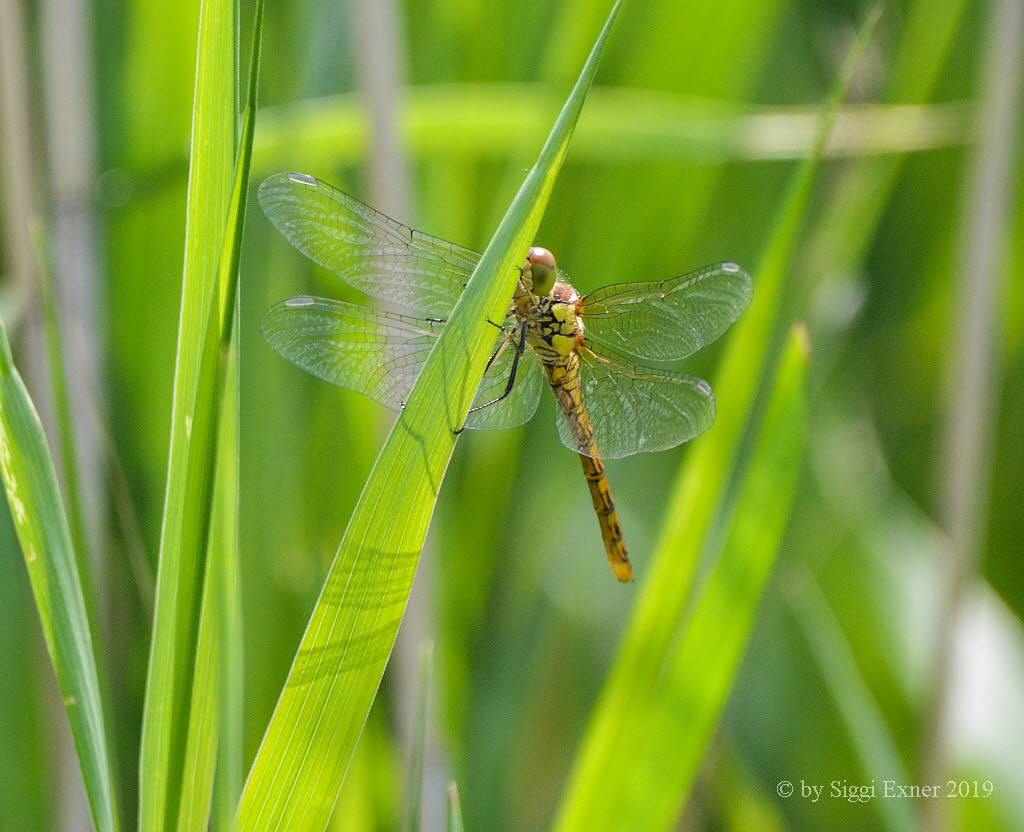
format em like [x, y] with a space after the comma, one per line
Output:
[623, 572]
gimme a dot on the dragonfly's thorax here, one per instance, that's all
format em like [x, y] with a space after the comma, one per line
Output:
[552, 328]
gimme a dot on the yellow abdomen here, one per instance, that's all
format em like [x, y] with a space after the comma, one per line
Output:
[563, 375]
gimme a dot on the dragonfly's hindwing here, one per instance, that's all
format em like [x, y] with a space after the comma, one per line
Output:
[632, 409]
[380, 355]
[521, 402]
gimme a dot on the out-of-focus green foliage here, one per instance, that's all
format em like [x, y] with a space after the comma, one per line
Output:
[699, 116]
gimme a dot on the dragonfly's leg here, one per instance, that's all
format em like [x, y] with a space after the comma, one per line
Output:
[494, 355]
[520, 348]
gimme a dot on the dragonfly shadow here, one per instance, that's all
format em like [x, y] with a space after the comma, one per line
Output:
[360, 610]
[452, 384]
[366, 592]
[455, 420]
[424, 447]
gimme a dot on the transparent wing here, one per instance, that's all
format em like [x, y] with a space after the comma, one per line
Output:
[669, 319]
[521, 403]
[631, 408]
[380, 354]
[368, 250]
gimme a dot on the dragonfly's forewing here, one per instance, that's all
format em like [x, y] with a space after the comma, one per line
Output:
[368, 250]
[633, 409]
[668, 319]
[380, 354]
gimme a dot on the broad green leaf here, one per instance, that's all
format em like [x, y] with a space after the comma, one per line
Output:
[371, 795]
[42, 526]
[696, 523]
[301, 762]
[183, 537]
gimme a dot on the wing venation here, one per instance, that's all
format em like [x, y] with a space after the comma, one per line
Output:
[631, 408]
[367, 249]
[669, 319]
[380, 355]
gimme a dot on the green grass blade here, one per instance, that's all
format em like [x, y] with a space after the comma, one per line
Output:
[637, 765]
[172, 654]
[454, 809]
[217, 673]
[878, 753]
[695, 519]
[700, 670]
[227, 784]
[414, 782]
[42, 526]
[213, 750]
[200, 752]
[446, 122]
[301, 763]
[62, 413]
[850, 220]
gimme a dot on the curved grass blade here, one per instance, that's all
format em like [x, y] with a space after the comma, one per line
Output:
[414, 781]
[42, 526]
[697, 520]
[306, 749]
[183, 535]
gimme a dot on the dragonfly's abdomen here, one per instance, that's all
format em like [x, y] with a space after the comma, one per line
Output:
[607, 518]
[564, 378]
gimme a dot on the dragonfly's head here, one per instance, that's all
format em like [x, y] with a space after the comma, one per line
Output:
[540, 263]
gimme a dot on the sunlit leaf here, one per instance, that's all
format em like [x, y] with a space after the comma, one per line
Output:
[190, 473]
[306, 749]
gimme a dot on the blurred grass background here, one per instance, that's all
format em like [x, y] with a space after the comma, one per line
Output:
[431, 111]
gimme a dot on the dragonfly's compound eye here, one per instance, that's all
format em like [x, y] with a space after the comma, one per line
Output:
[543, 270]
[541, 256]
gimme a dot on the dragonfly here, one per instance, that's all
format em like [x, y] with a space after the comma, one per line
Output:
[582, 346]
